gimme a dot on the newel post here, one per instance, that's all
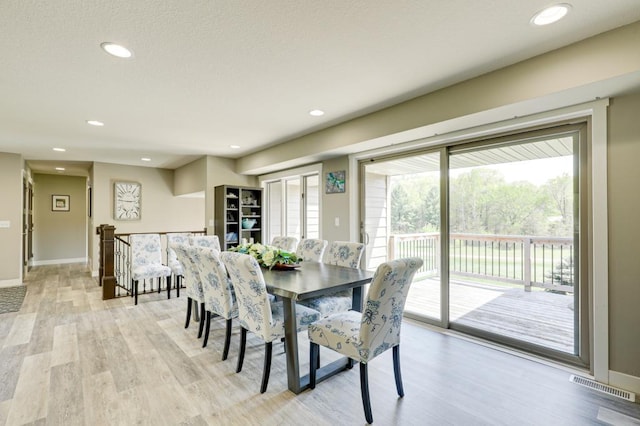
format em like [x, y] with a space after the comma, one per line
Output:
[106, 271]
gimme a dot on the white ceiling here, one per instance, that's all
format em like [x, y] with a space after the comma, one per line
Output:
[206, 74]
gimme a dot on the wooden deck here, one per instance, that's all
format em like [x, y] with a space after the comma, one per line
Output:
[539, 317]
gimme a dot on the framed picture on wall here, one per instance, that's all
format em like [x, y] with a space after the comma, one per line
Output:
[60, 203]
[334, 182]
[127, 200]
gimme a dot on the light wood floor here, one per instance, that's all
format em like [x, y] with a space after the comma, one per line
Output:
[70, 358]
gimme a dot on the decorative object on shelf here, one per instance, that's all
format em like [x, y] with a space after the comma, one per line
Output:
[334, 183]
[231, 237]
[248, 223]
[231, 195]
[269, 256]
[60, 203]
[127, 199]
[248, 199]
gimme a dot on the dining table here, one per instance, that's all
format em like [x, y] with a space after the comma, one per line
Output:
[309, 280]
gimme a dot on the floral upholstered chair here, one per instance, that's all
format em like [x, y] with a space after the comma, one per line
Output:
[340, 253]
[192, 282]
[172, 260]
[256, 313]
[311, 250]
[211, 241]
[219, 298]
[146, 262]
[285, 243]
[364, 336]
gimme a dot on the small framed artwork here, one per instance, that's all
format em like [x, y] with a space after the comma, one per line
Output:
[60, 203]
[334, 182]
[127, 200]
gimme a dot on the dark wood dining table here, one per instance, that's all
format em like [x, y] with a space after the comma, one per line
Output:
[311, 279]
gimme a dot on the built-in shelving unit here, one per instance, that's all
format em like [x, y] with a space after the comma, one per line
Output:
[238, 215]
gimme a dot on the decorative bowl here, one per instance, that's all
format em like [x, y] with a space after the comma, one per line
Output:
[248, 223]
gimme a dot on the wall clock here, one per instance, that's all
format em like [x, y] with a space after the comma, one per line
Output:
[127, 200]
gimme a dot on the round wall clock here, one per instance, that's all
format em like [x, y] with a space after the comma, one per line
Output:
[127, 200]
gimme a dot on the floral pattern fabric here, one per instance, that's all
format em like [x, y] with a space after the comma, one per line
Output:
[192, 282]
[146, 257]
[211, 241]
[256, 313]
[172, 259]
[363, 336]
[285, 243]
[311, 250]
[219, 297]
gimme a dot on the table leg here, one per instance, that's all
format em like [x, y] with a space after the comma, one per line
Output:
[291, 343]
[356, 299]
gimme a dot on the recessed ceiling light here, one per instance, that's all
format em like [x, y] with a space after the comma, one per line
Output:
[60, 169]
[59, 149]
[95, 123]
[234, 146]
[551, 14]
[145, 159]
[116, 50]
[316, 112]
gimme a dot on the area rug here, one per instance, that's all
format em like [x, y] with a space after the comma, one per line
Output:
[11, 298]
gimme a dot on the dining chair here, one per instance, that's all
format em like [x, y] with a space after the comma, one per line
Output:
[211, 241]
[219, 297]
[363, 336]
[340, 253]
[146, 262]
[311, 249]
[172, 259]
[193, 284]
[256, 313]
[285, 243]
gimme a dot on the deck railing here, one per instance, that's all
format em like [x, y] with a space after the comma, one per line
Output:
[545, 262]
[115, 262]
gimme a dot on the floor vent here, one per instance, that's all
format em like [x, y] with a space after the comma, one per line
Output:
[610, 390]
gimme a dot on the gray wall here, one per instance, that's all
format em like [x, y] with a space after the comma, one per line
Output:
[336, 205]
[59, 235]
[624, 234]
[11, 210]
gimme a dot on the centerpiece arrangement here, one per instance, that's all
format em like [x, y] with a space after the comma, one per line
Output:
[269, 256]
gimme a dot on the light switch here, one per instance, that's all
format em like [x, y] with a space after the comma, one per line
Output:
[5, 224]
[336, 221]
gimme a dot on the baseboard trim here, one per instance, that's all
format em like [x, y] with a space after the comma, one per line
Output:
[10, 283]
[59, 261]
[624, 381]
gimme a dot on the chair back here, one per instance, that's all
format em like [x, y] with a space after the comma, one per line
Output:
[384, 306]
[344, 253]
[186, 255]
[145, 250]
[254, 308]
[216, 285]
[175, 238]
[211, 241]
[311, 250]
[285, 243]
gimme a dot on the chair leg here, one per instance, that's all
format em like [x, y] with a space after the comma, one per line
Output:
[364, 389]
[313, 364]
[135, 292]
[202, 320]
[227, 340]
[243, 344]
[267, 367]
[396, 370]
[349, 363]
[159, 284]
[207, 326]
[178, 284]
[189, 303]
[168, 286]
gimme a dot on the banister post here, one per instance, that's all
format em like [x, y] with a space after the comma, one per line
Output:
[392, 247]
[526, 243]
[108, 280]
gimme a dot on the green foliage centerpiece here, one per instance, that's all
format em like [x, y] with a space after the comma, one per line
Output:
[268, 256]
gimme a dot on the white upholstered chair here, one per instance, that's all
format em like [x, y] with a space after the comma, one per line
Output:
[172, 260]
[193, 284]
[146, 262]
[219, 297]
[364, 336]
[211, 241]
[285, 243]
[341, 253]
[256, 313]
[311, 250]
